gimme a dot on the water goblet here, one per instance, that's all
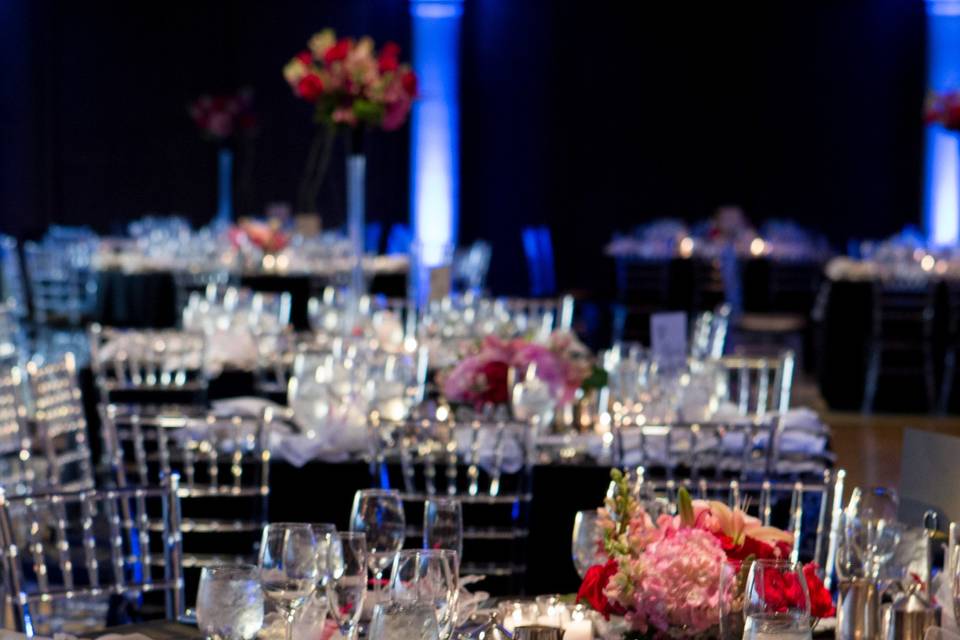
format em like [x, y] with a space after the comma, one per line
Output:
[347, 587]
[443, 524]
[587, 542]
[288, 567]
[378, 513]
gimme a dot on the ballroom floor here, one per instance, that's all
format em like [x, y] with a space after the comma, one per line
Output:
[869, 447]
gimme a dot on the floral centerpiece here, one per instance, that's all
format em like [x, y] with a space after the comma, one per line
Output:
[664, 576]
[352, 87]
[268, 236]
[221, 117]
[480, 378]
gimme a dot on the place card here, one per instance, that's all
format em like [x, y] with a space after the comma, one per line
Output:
[668, 339]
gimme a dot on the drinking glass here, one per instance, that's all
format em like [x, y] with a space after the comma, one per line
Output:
[403, 621]
[288, 566]
[776, 602]
[443, 524]
[378, 513]
[313, 613]
[347, 587]
[866, 546]
[428, 577]
[587, 542]
[230, 602]
[532, 399]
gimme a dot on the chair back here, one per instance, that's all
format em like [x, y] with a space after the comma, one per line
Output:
[152, 362]
[13, 291]
[808, 510]
[709, 336]
[470, 267]
[18, 466]
[486, 464]
[56, 408]
[759, 385]
[67, 553]
[63, 284]
[903, 312]
[223, 463]
[198, 280]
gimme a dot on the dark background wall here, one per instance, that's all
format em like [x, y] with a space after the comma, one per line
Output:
[576, 114]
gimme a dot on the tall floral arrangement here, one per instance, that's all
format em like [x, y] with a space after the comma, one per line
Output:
[221, 118]
[480, 378]
[664, 575]
[943, 109]
[351, 86]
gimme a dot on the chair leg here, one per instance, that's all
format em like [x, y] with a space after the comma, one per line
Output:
[946, 385]
[870, 384]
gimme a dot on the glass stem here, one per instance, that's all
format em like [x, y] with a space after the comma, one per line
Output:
[289, 629]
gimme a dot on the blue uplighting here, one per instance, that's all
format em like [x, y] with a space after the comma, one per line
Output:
[435, 127]
[941, 198]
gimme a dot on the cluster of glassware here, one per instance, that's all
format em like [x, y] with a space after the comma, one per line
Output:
[232, 308]
[641, 391]
[312, 571]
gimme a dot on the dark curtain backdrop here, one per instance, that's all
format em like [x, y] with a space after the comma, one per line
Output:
[580, 115]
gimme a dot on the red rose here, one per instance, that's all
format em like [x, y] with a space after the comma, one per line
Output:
[310, 87]
[495, 374]
[391, 49]
[305, 57]
[821, 604]
[409, 83]
[338, 51]
[387, 63]
[592, 589]
[773, 591]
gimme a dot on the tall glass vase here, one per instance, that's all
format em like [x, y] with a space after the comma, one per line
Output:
[224, 187]
[356, 222]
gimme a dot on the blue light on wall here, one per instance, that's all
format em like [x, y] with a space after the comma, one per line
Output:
[435, 128]
[941, 191]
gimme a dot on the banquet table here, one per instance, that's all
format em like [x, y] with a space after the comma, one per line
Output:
[842, 338]
[147, 299]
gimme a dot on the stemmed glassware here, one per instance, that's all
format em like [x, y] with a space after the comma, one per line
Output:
[532, 399]
[378, 513]
[288, 566]
[230, 602]
[443, 524]
[347, 586]
[587, 543]
[403, 621]
[776, 601]
[428, 576]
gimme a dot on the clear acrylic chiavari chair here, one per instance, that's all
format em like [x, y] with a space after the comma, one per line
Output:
[486, 464]
[75, 561]
[18, 465]
[56, 408]
[148, 365]
[759, 385]
[223, 463]
[809, 510]
[63, 284]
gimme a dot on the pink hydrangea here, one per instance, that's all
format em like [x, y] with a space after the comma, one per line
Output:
[674, 583]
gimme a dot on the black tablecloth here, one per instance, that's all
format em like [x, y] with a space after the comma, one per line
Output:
[843, 336]
[148, 299]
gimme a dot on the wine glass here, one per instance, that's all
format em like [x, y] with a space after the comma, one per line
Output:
[313, 613]
[288, 566]
[230, 602]
[347, 587]
[443, 524]
[427, 576]
[776, 601]
[587, 542]
[379, 514]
